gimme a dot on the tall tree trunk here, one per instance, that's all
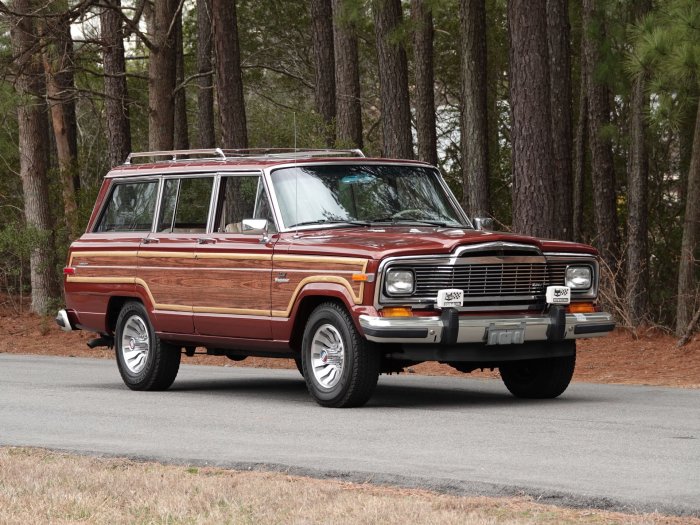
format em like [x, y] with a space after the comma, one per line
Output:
[580, 158]
[324, 60]
[161, 76]
[607, 237]
[533, 201]
[229, 80]
[205, 92]
[424, 102]
[33, 144]
[558, 35]
[116, 93]
[347, 77]
[637, 271]
[58, 67]
[474, 113]
[181, 131]
[393, 81]
[687, 285]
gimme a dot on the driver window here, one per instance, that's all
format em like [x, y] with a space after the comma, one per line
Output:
[242, 197]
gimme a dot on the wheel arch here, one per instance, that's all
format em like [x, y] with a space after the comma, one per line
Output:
[309, 299]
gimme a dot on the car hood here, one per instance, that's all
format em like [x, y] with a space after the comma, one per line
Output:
[378, 242]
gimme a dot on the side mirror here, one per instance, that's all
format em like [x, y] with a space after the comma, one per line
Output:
[254, 227]
[483, 223]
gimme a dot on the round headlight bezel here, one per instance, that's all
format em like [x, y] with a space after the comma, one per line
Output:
[393, 280]
[575, 279]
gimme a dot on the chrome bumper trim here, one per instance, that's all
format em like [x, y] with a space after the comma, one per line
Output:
[472, 329]
[63, 321]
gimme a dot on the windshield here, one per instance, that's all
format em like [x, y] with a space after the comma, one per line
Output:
[363, 194]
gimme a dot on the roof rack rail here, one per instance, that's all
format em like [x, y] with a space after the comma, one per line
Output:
[223, 154]
[292, 152]
[177, 154]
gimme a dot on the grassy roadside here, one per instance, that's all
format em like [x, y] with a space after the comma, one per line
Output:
[39, 486]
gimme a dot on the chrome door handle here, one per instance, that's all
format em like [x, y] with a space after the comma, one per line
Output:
[150, 240]
[206, 240]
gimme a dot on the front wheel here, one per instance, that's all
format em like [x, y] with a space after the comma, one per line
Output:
[340, 367]
[145, 362]
[539, 378]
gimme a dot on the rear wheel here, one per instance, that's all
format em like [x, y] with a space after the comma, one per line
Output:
[340, 367]
[539, 378]
[145, 362]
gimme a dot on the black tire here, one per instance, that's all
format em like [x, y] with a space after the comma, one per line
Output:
[539, 378]
[340, 367]
[147, 363]
[300, 365]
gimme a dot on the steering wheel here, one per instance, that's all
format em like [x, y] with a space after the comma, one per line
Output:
[410, 213]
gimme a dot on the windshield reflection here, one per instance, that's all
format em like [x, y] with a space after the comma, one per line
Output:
[362, 195]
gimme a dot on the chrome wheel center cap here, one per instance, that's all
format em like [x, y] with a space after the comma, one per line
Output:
[132, 343]
[324, 356]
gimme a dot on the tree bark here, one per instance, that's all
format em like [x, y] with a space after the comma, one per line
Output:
[324, 61]
[687, 285]
[58, 68]
[558, 35]
[116, 93]
[637, 271]
[229, 80]
[580, 144]
[161, 76]
[347, 77]
[474, 113]
[533, 201]
[607, 237]
[393, 81]
[181, 131]
[33, 144]
[205, 93]
[424, 101]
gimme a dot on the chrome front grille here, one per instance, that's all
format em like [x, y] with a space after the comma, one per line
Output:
[488, 280]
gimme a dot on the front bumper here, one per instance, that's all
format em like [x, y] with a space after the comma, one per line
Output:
[450, 328]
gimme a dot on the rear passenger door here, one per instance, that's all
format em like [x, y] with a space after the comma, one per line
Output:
[234, 263]
[167, 263]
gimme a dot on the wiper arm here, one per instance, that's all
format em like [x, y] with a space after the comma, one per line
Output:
[395, 220]
[331, 221]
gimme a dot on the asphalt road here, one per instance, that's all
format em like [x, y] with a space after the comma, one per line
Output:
[618, 447]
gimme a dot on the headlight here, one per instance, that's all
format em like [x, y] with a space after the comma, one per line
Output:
[399, 282]
[579, 277]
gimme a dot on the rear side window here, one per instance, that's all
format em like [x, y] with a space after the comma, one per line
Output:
[131, 208]
[185, 205]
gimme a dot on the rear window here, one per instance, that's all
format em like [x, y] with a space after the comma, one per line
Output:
[130, 208]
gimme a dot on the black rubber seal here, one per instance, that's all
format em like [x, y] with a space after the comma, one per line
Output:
[594, 328]
[401, 333]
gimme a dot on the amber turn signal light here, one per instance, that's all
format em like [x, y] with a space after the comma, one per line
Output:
[397, 311]
[581, 308]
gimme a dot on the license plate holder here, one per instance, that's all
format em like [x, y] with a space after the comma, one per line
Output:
[505, 335]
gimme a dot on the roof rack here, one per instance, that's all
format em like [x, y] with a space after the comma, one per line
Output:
[251, 153]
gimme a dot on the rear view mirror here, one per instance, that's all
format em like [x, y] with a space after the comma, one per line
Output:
[483, 223]
[254, 227]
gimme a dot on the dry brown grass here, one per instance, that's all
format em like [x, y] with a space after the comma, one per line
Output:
[38, 486]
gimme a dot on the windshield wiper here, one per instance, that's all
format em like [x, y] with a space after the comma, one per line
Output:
[331, 221]
[395, 220]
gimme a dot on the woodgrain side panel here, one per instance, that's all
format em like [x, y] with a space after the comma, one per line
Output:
[291, 273]
[235, 284]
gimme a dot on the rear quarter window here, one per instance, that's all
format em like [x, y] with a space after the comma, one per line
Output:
[130, 207]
